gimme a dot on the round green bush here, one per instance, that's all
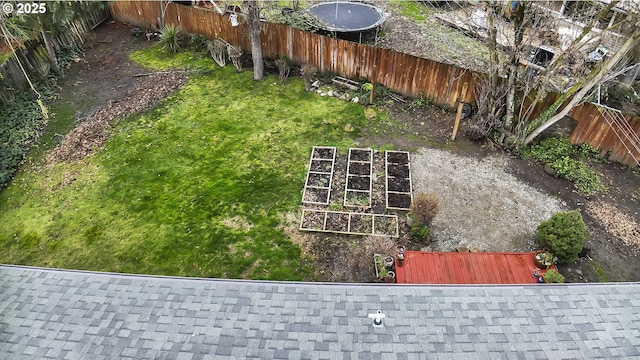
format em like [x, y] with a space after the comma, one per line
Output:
[563, 234]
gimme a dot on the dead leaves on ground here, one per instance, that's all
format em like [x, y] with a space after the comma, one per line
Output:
[617, 223]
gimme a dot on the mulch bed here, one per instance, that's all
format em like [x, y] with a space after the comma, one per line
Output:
[94, 130]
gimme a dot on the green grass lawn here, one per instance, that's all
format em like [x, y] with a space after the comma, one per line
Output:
[197, 186]
[412, 9]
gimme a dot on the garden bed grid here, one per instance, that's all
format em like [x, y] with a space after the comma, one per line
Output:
[317, 186]
[351, 223]
[357, 191]
[398, 186]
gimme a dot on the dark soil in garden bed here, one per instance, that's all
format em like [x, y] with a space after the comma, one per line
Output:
[401, 171]
[337, 222]
[359, 182]
[321, 166]
[313, 220]
[315, 195]
[323, 153]
[399, 201]
[399, 184]
[360, 169]
[398, 158]
[360, 155]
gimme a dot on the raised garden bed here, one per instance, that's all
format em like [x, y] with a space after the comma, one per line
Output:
[398, 189]
[349, 223]
[317, 186]
[358, 186]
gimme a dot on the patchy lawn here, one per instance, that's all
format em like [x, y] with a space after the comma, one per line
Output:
[196, 186]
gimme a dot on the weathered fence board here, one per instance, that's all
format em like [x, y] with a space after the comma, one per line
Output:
[593, 129]
[34, 57]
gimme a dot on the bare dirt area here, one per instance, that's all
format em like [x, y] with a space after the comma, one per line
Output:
[106, 85]
[483, 206]
[486, 186]
[105, 72]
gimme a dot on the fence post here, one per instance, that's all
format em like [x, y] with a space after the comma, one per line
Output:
[290, 43]
[322, 54]
[456, 124]
[452, 77]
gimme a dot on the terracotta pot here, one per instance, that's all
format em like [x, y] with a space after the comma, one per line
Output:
[540, 260]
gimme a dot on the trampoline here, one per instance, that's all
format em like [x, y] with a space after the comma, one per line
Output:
[343, 16]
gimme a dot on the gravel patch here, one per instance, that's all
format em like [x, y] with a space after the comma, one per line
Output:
[483, 206]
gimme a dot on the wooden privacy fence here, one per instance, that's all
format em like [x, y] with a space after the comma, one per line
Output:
[34, 57]
[404, 73]
[617, 138]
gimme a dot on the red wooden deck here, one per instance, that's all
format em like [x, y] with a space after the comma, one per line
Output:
[466, 268]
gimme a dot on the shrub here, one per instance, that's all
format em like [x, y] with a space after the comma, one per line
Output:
[420, 231]
[284, 67]
[563, 234]
[298, 20]
[198, 43]
[170, 39]
[549, 150]
[308, 71]
[421, 102]
[552, 276]
[424, 208]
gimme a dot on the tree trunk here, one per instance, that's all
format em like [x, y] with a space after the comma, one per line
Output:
[161, 18]
[253, 17]
[46, 38]
[494, 76]
[595, 77]
[517, 18]
[510, 100]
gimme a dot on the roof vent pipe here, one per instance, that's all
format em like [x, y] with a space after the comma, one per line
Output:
[377, 318]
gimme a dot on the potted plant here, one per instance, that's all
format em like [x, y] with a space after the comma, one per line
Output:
[388, 262]
[543, 259]
[390, 277]
[400, 254]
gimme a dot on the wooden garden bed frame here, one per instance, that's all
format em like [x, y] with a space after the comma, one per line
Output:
[350, 174]
[317, 159]
[406, 192]
[376, 219]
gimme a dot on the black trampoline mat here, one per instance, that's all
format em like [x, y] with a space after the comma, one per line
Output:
[346, 17]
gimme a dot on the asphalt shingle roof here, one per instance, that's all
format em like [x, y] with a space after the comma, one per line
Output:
[81, 315]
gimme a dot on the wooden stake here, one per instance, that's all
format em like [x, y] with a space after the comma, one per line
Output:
[456, 124]
[371, 96]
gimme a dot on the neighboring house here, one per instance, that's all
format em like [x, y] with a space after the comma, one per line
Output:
[573, 16]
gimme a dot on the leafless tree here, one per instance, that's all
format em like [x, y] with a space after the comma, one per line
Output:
[534, 50]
